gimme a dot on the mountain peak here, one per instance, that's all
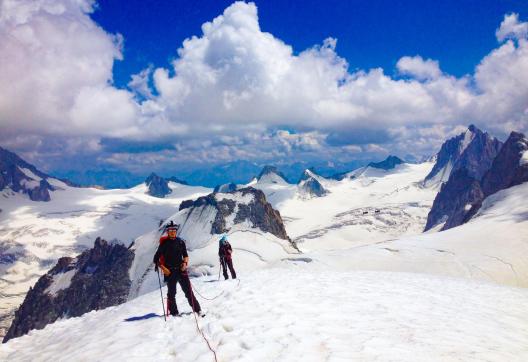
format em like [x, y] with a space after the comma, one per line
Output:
[157, 186]
[472, 149]
[271, 174]
[388, 164]
[473, 128]
[21, 176]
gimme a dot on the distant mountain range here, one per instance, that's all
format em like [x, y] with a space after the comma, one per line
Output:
[239, 172]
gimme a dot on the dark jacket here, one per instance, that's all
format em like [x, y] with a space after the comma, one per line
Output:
[225, 251]
[171, 252]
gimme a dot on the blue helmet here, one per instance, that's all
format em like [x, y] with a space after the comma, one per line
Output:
[223, 239]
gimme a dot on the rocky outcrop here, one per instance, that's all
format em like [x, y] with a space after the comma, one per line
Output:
[157, 186]
[225, 188]
[98, 278]
[247, 205]
[388, 164]
[461, 197]
[472, 150]
[20, 176]
[311, 185]
[270, 174]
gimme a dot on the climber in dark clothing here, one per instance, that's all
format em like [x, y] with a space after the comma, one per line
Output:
[173, 259]
[224, 252]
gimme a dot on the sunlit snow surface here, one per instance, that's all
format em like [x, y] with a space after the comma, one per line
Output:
[376, 205]
[297, 312]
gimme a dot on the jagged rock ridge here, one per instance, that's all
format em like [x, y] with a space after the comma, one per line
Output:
[20, 176]
[96, 279]
[472, 150]
[248, 204]
[461, 196]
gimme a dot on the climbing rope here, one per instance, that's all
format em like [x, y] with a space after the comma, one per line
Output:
[198, 327]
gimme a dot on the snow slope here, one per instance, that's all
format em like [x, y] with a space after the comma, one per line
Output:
[33, 235]
[296, 312]
[493, 246]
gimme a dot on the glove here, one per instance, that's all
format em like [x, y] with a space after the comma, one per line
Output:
[183, 266]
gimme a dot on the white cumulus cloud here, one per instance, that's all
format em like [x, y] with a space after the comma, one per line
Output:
[419, 68]
[512, 28]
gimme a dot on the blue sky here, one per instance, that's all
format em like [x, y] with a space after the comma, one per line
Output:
[370, 33]
[177, 86]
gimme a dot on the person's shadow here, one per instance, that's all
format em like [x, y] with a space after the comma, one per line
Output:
[143, 317]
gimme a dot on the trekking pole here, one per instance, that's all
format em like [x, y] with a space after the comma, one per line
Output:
[161, 294]
[219, 270]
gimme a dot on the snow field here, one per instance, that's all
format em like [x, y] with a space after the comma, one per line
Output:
[336, 221]
[296, 313]
[492, 246]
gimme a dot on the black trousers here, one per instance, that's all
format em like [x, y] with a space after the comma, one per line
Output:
[228, 263]
[183, 279]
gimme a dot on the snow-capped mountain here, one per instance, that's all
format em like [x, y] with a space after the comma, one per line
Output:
[96, 279]
[311, 184]
[460, 197]
[271, 175]
[18, 176]
[157, 186]
[472, 151]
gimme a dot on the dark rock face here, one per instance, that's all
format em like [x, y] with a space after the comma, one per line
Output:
[472, 150]
[388, 164]
[12, 176]
[259, 212]
[157, 186]
[310, 185]
[270, 170]
[454, 200]
[41, 193]
[507, 170]
[225, 188]
[461, 197]
[99, 279]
